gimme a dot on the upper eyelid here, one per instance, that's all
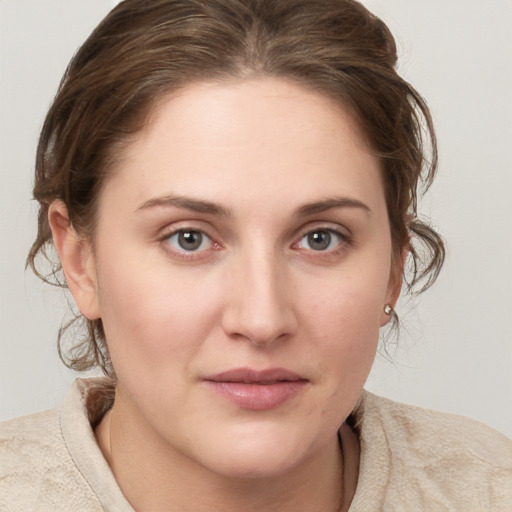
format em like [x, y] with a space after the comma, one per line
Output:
[326, 226]
[341, 234]
[185, 230]
[170, 230]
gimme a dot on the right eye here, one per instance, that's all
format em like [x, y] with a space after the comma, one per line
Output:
[189, 240]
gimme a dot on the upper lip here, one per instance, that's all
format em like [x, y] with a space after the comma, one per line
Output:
[250, 376]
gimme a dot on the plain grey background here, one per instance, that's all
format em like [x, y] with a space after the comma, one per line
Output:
[455, 350]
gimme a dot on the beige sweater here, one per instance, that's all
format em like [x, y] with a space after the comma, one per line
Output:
[411, 460]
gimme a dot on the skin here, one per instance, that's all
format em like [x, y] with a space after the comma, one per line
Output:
[256, 294]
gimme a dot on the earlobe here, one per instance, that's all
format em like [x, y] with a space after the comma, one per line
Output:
[77, 260]
[395, 287]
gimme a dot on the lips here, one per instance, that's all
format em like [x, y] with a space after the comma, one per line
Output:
[256, 390]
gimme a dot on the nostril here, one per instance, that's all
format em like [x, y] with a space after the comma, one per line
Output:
[259, 329]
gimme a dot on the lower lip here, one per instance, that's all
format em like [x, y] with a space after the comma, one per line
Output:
[257, 397]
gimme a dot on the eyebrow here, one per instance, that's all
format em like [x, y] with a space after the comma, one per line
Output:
[330, 203]
[188, 203]
[208, 207]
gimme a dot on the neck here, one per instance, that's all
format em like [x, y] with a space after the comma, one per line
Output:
[155, 477]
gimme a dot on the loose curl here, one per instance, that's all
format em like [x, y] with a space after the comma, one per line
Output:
[143, 50]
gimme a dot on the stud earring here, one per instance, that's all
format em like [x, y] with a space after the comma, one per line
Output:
[388, 309]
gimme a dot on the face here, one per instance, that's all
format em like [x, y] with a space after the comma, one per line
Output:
[241, 263]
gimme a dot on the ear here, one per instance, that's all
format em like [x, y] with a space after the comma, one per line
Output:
[395, 286]
[77, 260]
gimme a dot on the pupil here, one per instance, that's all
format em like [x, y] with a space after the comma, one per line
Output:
[319, 240]
[190, 240]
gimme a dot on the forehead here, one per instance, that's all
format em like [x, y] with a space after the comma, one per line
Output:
[252, 136]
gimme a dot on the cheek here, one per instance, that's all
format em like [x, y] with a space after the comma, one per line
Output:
[349, 338]
[348, 303]
[151, 317]
[340, 338]
[343, 319]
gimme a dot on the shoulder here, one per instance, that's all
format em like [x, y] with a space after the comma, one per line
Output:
[37, 471]
[436, 436]
[433, 459]
[30, 442]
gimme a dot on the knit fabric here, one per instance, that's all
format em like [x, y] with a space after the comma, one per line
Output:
[412, 459]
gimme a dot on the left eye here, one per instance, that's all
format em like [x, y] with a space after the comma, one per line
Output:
[189, 240]
[321, 240]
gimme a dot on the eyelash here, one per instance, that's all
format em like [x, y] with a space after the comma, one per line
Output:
[345, 240]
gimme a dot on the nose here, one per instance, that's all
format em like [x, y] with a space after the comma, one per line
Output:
[259, 306]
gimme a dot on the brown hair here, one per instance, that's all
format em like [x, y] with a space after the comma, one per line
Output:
[144, 49]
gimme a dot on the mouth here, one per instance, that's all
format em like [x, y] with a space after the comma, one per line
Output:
[256, 389]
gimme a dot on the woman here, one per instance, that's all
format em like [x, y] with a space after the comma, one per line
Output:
[231, 190]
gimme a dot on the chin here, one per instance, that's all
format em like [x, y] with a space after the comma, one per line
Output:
[255, 466]
[262, 452]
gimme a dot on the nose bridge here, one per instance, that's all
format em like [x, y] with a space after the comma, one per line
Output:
[260, 307]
